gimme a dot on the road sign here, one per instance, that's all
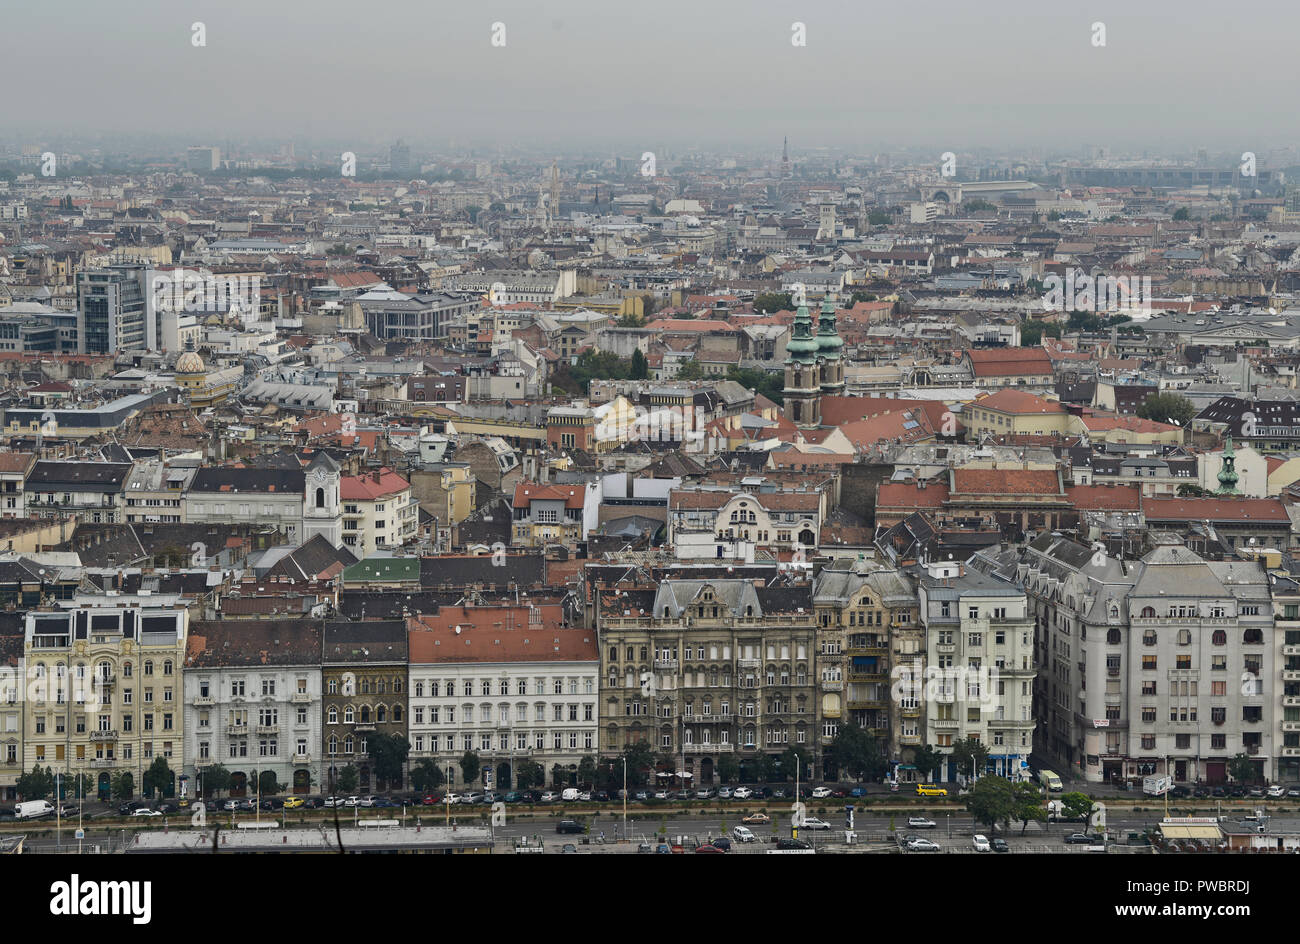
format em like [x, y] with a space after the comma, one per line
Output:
[81, 834]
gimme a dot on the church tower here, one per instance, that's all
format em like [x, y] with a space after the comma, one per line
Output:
[1228, 470]
[830, 351]
[803, 388]
[322, 510]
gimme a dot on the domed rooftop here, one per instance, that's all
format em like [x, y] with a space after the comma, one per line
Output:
[189, 363]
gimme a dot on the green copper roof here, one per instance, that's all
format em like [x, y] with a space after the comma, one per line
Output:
[802, 346]
[1228, 470]
[829, 342]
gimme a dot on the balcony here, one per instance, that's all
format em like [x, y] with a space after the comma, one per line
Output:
[1291, 725]
[103, 681]
[829, 685]
[301, 759]
[364, 726]
[204, 701]
[666, 665]
[709, 748]
[945, 648]
[909, 739]
[1291, 752]
[268, 729]
[866, 703]
[1291, 650]
[911, 711]
[946, 724]
[1291, 701]
[1291, 675]
[300, 698]
[102, 762]
[103, 735]
[237, 730]
[202, 763]
[748, 663]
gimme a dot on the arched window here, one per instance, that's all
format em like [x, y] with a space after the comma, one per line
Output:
[320, 498]
[348, 715]
[126, 669]
[1220, 638]
[613, 653]
[380, 714]
[397, 714]
[1149, 638]
[167, 667]
[1112, 637]
[334, 744]
[347, 744]
[1253, 636]
[148, 667]
[333, 716]
[365, 714]
[1148, 612]
[1184, 637]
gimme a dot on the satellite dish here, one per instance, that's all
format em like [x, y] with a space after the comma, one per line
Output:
[458, 629]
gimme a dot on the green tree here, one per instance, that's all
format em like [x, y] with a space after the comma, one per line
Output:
[37, 784]
[765, 767]
[348, 780]
[426, 776]
[268, 784]
[1028, 804]
[639, 369]
[992, 801]
[691, 370]
[1166, 408]
[1188, 490]
[857, 753]
[529, 774]
[640, 758]
[123, 784]
[728, 768]
[559, 775]
[503, 779]
[216, 779]
[1076, 805]
[769, 302]
[1242, 770]
[759, 381]
[792, 759]
[389, 752]
[1032, 332]
[631, 321]
[971, 754]
[586, 770]
[861, 297]
[81, 786]
[157, 778]
[1182, 213]
[470, 767]
[926, 760]
[879, 218]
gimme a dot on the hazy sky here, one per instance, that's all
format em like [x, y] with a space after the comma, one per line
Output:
[634, 75]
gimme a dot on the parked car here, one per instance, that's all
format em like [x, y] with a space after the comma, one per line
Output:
[920, 822]
[1293, 791]
[247, 806]
[709, 848]
[704, 793]
[145, 811]
[467, 799]
[793, 844]
[756, 819]
[724, 793]
[569, 826]
[600, 796]
[1277, 790]
[569, 849]
[230, 806]
[662, 794]
[641, 796]
[821, 793]
[776, 793]
[923, 845]
[163, 808]
[858, 792]
[1200, 790]
[352, 801]
[813, 823]
[683, 794]
[584, 796]
[743, 834]
[451, 799]
[981, 843]
[549, 796]
[742, 793]
[644, 848]
[1077, 839]
[294, 803]
[1000, 845]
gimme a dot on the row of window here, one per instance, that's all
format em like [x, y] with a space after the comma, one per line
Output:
[557, 686]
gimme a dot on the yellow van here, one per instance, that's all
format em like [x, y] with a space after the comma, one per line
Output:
[930, 790]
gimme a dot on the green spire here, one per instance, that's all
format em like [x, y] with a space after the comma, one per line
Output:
[829, 342]
[802, 346]
[1228, 470]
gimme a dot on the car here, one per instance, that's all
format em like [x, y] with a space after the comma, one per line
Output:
[813, 822]
[756, 819]
[858, 792]
[776, 793]
[742, 793]
[641, 796]
[230, 806]
[163, 808]
[352, 801]
[600, 796]
[248, 806]
[1237, 790]
[704, 793]
[1000, 845]
[930, 790]
[1077, 839]
[584, 796]
[743, 834]
[512, 797]
[663, 849]
[451, 799]
[793, 844]
[683, 795]
[549, 796]
[707, 847]
[1277, 790]
[1219, 791]
[1293, 791]
[489, 797]
[724, 793]
[145, 811]
[71, 809]
[1180, 792]
[126, 809]
[294, 803]
[1200, 790]
[644, 847]
[920, 822]
[839, 793]
[662, 795]
[923, 845]
[981, 843]
[569, 826]
[821, 793]
[468, 799]
[569, 849]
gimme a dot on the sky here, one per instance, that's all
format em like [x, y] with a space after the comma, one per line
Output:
[633, 75]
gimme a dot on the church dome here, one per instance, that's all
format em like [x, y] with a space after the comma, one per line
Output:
[189, 363]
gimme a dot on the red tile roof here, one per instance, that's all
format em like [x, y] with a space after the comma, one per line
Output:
[1019, 402]
[1005, 482]
[1105, 497]
[1215, 509]
[573, 496]
[372, 486]
[498, 634]
[910, 495]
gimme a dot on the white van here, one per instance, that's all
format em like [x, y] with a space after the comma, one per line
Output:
[570, 794]
[33, 808]
[742, 834]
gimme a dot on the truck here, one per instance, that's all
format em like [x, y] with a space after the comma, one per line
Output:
[1157, 786]
[32, 809]
[1050, 781]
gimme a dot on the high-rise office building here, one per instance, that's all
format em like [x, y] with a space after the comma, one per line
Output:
[115, 309]
[399, 158]
[201, 160]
